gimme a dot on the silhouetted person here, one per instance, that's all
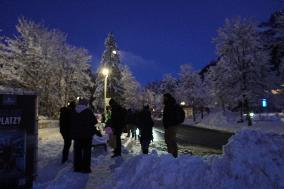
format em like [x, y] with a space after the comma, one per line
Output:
[64, 124]
[170, 122]
[145, 124]
[82, 131]
[117, 123]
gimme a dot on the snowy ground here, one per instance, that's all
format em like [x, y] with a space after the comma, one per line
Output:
[252, 159]
[52, 174]
[227, 121]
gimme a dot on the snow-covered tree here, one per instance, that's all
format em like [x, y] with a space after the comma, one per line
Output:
[48, 65]
[153, 96]
[168, 85]
[192, 90]
[110, 60]
[244, 61]
[220, 88]
[201, 94]
[131, 89]
[186, 84]
[8, 68]
[154, 86]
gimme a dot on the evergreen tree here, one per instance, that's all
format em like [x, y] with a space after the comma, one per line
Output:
[273, 35]
[110, 60]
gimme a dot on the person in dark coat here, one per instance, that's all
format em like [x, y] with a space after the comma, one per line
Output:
[118, 123]
[82, 131]
[170, 123]
[145, 124]
[64, 124]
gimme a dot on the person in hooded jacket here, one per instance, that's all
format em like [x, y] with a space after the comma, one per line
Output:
[145, 124]
[117, 123]
[170, 123]
[82, 130]
[64, 124]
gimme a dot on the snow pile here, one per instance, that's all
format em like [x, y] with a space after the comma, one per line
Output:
[222, 119]
[252, 159]
[219, 120]
[228, 121]
[267, 117]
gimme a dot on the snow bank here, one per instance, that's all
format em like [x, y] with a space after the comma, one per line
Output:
[228, 121]
[251, 159]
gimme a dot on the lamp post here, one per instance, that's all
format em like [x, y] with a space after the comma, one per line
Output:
[105, 72]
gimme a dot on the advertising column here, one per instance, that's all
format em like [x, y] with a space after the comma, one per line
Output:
[18, 140]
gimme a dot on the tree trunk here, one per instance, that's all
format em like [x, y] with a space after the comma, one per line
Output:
[193, 113]
[246, 104]
[241, 111]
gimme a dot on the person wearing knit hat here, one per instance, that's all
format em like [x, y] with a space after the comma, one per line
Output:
[82, 130]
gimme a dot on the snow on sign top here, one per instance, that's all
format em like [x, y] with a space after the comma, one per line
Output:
[15, 90]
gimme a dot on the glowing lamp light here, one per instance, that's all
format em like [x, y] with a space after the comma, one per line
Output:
[182, 103]
[251, 114]
[105, 71]
[114, 52]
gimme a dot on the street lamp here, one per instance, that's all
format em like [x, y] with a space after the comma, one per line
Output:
[114, 52]
[105, 72]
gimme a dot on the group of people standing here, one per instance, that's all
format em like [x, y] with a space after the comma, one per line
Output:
[77, 123]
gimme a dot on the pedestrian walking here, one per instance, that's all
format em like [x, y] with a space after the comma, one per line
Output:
[82, 131]
[145, 124]
[173, 115]
[117, 123]
[64, 124]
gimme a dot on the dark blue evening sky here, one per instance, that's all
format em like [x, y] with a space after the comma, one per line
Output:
[154, 36]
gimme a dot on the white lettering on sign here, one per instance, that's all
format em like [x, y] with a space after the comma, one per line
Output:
[10, 120]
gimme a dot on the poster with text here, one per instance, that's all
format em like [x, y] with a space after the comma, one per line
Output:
[12, 153]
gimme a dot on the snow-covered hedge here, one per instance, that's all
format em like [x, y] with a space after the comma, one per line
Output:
[47, 123]
[251, 159]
